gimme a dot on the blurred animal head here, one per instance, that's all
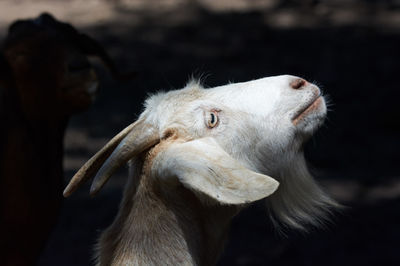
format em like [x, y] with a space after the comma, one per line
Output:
[45, 76]
[50, 68]
[229, 145]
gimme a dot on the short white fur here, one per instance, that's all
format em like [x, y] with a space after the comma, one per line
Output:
[187, 179]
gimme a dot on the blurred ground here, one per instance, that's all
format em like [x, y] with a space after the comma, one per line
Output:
[349, 47]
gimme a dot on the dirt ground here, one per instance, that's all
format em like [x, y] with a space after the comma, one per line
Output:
[351, 48]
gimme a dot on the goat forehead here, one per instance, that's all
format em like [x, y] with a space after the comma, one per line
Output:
[256, 97]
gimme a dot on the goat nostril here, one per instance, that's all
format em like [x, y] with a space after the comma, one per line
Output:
[297, 84]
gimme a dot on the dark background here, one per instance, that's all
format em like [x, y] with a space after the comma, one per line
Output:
[351, 49]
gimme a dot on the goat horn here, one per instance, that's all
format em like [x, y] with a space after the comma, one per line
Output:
[89, 169]
[140, 138]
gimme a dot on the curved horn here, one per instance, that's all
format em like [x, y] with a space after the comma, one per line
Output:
[90, 168]
[138, 140]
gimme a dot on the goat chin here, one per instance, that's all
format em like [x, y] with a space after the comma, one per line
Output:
[199, 156]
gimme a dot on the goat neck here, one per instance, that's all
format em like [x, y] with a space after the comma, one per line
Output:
[175, 223]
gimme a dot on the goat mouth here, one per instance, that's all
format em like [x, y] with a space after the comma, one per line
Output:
[309, 108]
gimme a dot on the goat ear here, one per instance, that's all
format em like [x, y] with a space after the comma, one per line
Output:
[203, 166]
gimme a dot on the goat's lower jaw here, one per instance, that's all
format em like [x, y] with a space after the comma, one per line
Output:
[313, 107]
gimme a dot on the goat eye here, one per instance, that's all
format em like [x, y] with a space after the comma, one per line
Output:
[212, 119]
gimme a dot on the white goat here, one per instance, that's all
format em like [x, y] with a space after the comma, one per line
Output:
[197, 157]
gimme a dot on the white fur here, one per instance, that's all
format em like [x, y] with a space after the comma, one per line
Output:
[183, 191]
[256, 128]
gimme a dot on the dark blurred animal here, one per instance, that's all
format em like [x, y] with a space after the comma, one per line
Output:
[45, 77]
